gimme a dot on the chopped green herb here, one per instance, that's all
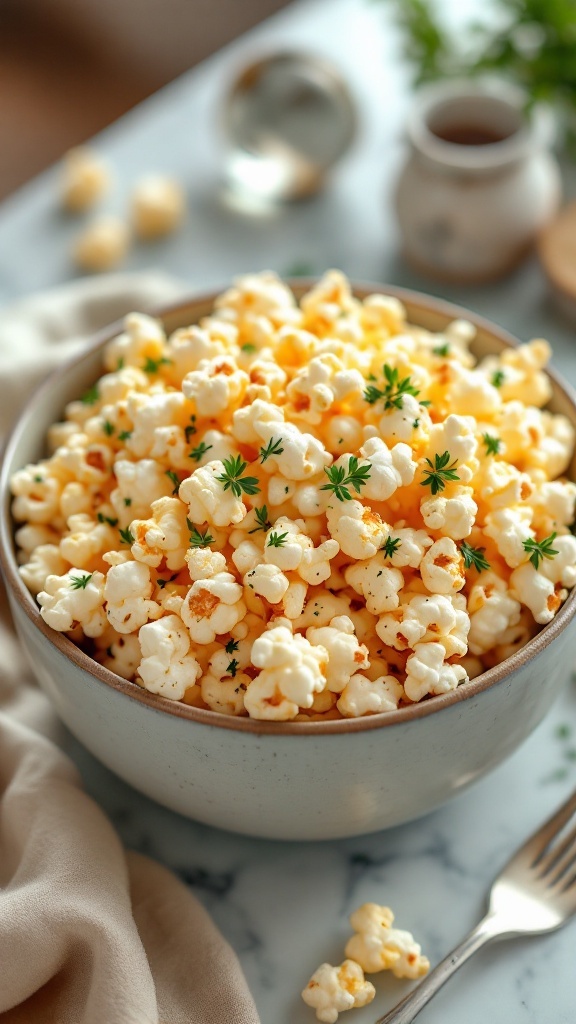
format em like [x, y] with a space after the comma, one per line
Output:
[127, 536]
[435, 478]
[153, 365]
[425, 403]
[175, 479]
[390, 546]
[492, 444]
[106, 519]
[416, 424]
[125, 435]
[190, 429]
[497, 378]
[199, 452]
[164, 583]
[232, 477]
[80, 582]
[300, 268]
[276, 540]
[540, 549]
[91, 396]
[356, 477]
[197, 539]
[442, 350]
[272, 448]
[38, 479]
[127, 502]
[232, 646]
[564, 731]
[262, 519]
[394, 389]
[474, 556]
[249, 348]
[232, 667]
[120, 363]
[108, 428]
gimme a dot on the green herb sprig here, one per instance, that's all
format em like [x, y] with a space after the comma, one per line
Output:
[262, 519]
[492, 444]
[272, 448]
[540, 549]
[276, 540]
[390, 546]
[198, 539]
[340, 480]
[440, 471]
[474, 557]
[80, 582]
[394, 390]
[233, 479]
[200, 451]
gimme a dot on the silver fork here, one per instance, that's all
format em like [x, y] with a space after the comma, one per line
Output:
[535, 893]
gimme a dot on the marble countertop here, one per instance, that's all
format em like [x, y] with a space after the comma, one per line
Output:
[284, 906]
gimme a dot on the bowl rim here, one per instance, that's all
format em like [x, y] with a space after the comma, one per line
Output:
[416, 712]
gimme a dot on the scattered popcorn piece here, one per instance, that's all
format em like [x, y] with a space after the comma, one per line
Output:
[331, 990]
[345, 655]
[85, 178]
[378, 583]
[492, 611]
[102, 245]
[268, 581]
[360, 532]
[442, 567]
[362, 696]
[127, 594]
[377, 946]
[207, 500]
[454, 515]
[213, 607]
[163, 535]
[158, 206]
[292, 671]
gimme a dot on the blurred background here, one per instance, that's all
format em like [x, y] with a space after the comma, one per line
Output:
[69, 68]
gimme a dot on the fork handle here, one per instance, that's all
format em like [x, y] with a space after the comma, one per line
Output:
[408, 1008]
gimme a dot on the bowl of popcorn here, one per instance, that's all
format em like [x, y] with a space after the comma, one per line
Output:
[297, 561]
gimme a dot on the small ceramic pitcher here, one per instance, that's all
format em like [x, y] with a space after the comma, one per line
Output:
[479, 182]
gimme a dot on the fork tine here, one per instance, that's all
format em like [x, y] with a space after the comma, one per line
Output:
[549, 863]
[562, 863]
[550, 829]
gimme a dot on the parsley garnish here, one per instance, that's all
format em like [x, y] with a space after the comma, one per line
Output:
[106, 519]
[80, 582]
[232, 477]
[439, 472]
[232, 646]
[493, 444]
[339, 481]
[127, 536]
[164, 583]
[262, 519]
[276, 540]
[175, 479]
[190, 429]
[441, 350]
[38, 479]
[197, 539]
[271, 449]
[416, 423]
[390, 546]
[232, 667]
[540, 549]
[127, 502]
[497, 378]
[120, 363]
[91, 396]
[153, 365]
[393, 391]
[200, 451]
[474, 556]
[108, 428]
[124, 435]
[249, 347]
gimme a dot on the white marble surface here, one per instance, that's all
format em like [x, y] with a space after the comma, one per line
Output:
[284, 906]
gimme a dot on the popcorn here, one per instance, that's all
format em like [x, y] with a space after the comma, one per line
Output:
[207, 500]
[75, 598]
[292, 671]
[362, 696]
[85, 178]
[492, 611]
[331, 990]
[308, 512]
[167, 668]
[377, 946]
[158, 206]
[213, 607]
[378, 583]
[345, 655]
[442, 567]
[102, 245]
[127, 594]
[427, 672]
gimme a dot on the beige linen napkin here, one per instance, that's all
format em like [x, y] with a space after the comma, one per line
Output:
[89, 934]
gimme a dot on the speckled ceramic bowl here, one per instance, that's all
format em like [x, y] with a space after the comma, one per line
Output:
[282, 780]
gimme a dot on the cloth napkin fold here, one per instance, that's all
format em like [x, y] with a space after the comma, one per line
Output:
[89, 933]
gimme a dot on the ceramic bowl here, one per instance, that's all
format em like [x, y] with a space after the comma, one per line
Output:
[321, 780]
